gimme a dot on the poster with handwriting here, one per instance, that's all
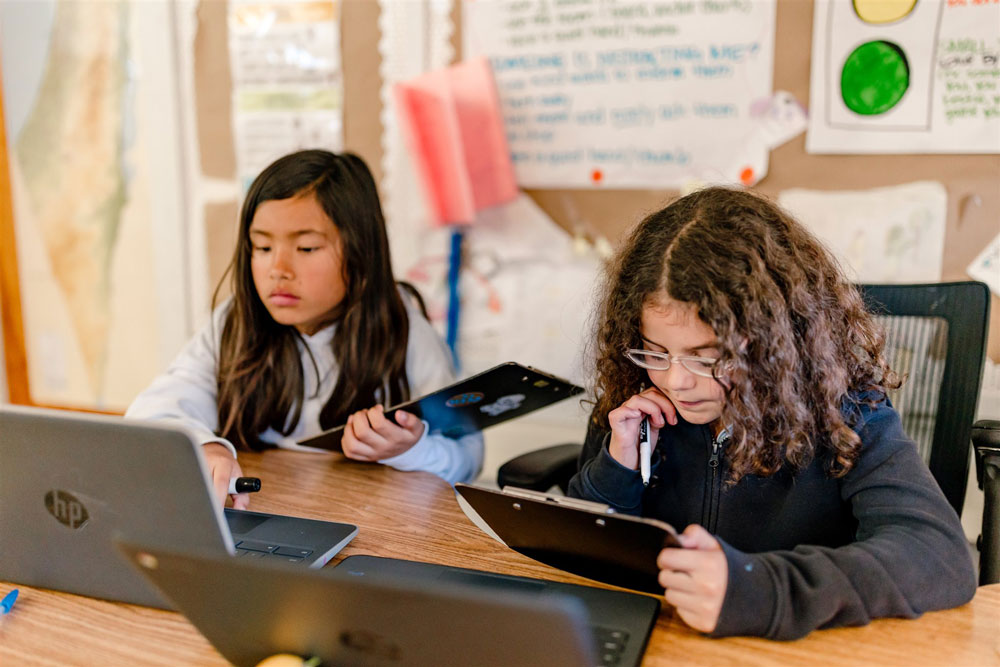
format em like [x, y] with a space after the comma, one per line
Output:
[905, 76]
[287, 91]
[626, 93]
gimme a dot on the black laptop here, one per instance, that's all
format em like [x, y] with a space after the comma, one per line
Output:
[381, 612]
[503, 392]
[71, 483]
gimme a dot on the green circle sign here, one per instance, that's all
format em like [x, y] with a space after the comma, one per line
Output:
[874, 78]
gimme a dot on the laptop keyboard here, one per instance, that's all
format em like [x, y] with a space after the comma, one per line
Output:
[256, 549]
[610, 644]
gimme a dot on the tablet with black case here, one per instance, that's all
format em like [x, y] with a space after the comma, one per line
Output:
[578, 536]
[475, 403]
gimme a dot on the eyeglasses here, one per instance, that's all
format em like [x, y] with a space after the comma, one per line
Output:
[660, 361]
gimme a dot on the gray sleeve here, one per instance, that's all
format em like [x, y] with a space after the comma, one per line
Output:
[910, 555]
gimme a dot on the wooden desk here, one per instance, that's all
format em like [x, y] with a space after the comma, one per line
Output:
[416, 516]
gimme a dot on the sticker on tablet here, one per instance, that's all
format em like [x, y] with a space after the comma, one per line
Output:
[461, 400]
[503, 404]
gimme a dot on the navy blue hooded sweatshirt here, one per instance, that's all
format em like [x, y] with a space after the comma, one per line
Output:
[805, 550]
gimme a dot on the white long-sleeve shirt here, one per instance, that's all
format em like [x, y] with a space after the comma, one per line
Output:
[186, 394]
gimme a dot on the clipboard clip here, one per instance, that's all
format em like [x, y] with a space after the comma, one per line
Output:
[576, 503]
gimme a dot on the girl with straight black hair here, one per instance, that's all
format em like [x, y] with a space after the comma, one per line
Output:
[317, 333]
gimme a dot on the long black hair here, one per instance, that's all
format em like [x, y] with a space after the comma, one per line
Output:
[260, 378]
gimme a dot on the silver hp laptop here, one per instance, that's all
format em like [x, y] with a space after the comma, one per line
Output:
[72, 483]
[381, 612]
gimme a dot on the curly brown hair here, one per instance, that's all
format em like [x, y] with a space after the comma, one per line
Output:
[794, 336]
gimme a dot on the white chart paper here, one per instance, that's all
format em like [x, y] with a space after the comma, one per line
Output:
[609, 93]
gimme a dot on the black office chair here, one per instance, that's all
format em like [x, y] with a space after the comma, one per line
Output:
[936, 339]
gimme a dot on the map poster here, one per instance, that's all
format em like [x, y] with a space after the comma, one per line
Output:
[95, 180]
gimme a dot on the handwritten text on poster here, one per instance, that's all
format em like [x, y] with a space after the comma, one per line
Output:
[625, 93]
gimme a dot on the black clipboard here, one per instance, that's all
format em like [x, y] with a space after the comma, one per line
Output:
[578, 536]
[475, 403]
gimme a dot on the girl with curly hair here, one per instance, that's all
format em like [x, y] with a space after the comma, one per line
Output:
[730, 329]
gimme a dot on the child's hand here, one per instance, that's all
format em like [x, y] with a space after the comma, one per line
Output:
[223, 467]
[695, 577]
[370, 436]
[624, 421]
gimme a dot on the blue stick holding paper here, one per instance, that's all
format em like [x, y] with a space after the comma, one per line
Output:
[452, 122]
[454, 297]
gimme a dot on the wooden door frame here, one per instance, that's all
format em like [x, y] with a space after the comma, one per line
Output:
[14, 351]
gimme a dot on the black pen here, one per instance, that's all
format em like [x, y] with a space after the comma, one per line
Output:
[244, 485]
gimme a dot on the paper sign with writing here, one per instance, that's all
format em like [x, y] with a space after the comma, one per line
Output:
[606, 93]
[900, 76]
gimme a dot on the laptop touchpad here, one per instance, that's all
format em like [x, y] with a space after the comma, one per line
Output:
[241, 524]
[491, 581]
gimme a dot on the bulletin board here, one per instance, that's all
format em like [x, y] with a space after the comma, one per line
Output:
[972, 181]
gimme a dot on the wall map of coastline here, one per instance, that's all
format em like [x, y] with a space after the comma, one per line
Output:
[81, 201]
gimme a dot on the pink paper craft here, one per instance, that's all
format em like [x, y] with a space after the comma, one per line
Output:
[452, 122]
[484, 140]
[430, 127]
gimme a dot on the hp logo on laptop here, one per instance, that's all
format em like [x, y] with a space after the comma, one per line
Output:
[66, 509]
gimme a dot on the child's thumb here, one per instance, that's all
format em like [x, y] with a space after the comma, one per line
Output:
[407, 420]
[696, 537]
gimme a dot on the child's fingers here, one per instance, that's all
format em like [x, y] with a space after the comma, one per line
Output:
[359, 451]
[663, 404]
[695, 610]
[376, 417]
[652, 405]
[680, 560]
[354, 448]
[240, 501]
[620, 416]
[677, 581]
[696, 537]
[410, 422]
[221, 465]
[364, 432]
[360, 424]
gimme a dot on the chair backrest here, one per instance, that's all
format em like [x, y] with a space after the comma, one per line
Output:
[936, 341]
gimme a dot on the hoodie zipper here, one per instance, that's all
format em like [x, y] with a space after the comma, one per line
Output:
[711, 513]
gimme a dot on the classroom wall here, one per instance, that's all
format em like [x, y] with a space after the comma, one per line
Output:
[212, 89]
[970, 226]
[972, 181]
